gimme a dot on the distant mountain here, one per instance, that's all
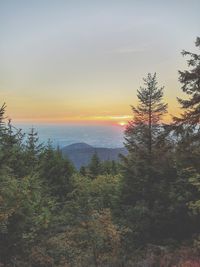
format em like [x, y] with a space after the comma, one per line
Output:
[80, 153]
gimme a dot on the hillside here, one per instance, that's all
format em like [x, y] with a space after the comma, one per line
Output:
[81, 153]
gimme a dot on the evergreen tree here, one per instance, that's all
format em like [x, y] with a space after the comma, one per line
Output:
[83, 171]
[187, 126]
[32, 150]
[142, 132]
[2, 130]
[2, 125]
[147, 166]
[25, 214]
[109, 167]
[2, 112]
[190, 80]
[95, 166]
[56, 172]
[12, 150]
[114, 167]
[186, 129]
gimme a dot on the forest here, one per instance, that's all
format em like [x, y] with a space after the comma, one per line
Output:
[143, 211]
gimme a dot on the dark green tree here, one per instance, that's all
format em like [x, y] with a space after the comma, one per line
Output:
[2, 130]
[142, 132]
[32, 150]
[190, 80]
[148, 168]
[109, 167]
[186, 130]
[56, 172]
[25, 214]
[187, 126]
[2, 113]
[83, 170]
[2, 124]
[94, 166]
[11, 147]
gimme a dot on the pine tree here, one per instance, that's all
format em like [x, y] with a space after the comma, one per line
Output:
[32, 150]
[109, 167]
[56, 172]
[114, 167]
[10, 145]
[2, 124]
[145, 168]
[95, 166]
[12, 149]
[25, 214]
[187, 126]
[186, 129]
[83, 171]
[142, 132]
[2, 129]
[2, 112]
[190, 80]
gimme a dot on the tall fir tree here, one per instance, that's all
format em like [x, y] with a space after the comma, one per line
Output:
[147, 166]
[12, 149]
[187, 126]
[190, 80]
[32, 150]
[186, 129]
[142, 132]
[2, 125]
[56, 172]
[95, 166]
[10, 145]
[2, 130]
[2, 113]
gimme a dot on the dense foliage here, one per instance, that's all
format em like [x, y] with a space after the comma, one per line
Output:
[143, 211]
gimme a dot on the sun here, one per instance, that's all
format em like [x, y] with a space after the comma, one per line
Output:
[122, 123]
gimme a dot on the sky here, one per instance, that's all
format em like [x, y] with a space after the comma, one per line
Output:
[82, 61]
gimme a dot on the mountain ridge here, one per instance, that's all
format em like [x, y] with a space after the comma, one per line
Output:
[81, 153]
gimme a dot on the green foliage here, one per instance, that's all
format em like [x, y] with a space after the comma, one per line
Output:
[12, 151]
[97, 167]
[56, 172]
[24, 214]
[147, 166]
[195, 180]
[2, 112]
[94, 166]
[110, 167]
[91, 194]
[27, 200]
[186, 126]
[156, 188]
[91, 238]
[190, 80]
[83, 171]
[143, 131]
[32, 151]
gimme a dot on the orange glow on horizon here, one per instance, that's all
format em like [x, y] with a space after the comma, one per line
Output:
[110, 119]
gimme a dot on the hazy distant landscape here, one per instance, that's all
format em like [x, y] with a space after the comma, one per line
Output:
[81, 154]
[110, 136]
[79, 142]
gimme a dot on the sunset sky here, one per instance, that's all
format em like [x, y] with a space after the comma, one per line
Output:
[83, 61]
